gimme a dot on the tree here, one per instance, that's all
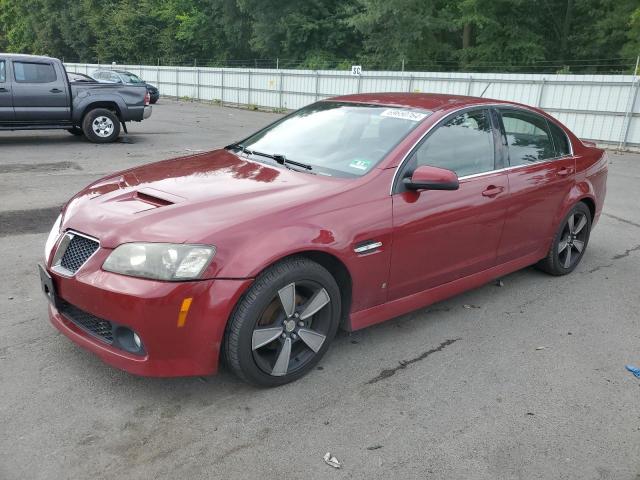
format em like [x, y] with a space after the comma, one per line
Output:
[485, 35]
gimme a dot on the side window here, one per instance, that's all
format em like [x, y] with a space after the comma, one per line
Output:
[527, 136]
[560, 140]
[3, 71]
[463, 144]
[25, 72]
[114, 77]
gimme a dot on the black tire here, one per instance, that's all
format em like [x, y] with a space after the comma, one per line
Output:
[77, 131]
[262, 309]
[101, 125]
[565, 252]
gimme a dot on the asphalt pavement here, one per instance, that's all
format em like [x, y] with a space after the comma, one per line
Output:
[520, 381]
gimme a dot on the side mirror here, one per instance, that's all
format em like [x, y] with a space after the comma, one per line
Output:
[426, 177]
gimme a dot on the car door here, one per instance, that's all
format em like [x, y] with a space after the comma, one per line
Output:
[6, 101]
[541, 174]
[40, 92]
[440, 236]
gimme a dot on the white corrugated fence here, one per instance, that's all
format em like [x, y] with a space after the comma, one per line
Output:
[603, 108]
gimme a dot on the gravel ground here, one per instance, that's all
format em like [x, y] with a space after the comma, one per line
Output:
[445, 392]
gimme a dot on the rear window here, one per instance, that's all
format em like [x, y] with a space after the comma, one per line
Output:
[26, 72]
[3, 75]
[560, 140]
[528, 137]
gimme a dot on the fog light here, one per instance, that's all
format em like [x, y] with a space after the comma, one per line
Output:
[128, 340]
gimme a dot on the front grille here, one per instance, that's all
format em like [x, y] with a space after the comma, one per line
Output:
[78, 251]
[98, 327]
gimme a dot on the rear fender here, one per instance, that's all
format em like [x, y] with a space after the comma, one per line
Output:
[579, 192]
[89, 102]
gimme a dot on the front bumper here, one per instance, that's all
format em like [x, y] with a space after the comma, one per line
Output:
[147, 112]
[151, 309]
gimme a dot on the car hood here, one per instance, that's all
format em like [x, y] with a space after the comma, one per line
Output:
[191, 199]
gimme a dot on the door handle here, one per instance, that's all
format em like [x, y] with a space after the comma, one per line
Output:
[4, 90]
[492, 191]
[55, 90]
[564, 171]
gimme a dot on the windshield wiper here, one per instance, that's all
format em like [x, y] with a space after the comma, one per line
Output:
[281, 159]
[234, 146]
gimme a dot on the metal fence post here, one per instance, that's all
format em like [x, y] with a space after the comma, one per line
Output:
[540, 92]
[222, 86]
[249, 92]
[629, 114]
[177, 85]
[281, 88]
[317, 80]
[410, 89]
[359, 81]
[469, 85]
[198, 83]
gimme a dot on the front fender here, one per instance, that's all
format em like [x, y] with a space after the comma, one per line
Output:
[247, 255]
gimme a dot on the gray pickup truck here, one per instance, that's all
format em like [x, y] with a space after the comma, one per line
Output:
[35, 93]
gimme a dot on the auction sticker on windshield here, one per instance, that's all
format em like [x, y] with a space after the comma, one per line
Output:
[360, 164]
[403, 114]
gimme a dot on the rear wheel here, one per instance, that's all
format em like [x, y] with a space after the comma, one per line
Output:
[284, 324]
[570, 242]
[101, 125]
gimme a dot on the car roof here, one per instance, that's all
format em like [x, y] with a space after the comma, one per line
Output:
[112, 70]
[425, 101]
[21, 56]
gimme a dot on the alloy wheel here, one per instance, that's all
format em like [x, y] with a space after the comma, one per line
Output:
[102, 126]
[292, 329]
[572, 240]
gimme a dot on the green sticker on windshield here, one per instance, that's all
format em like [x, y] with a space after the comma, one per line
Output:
[360, 164]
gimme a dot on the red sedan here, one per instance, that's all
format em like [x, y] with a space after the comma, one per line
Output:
[345, 213]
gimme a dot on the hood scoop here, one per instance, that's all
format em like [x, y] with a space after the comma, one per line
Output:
[152, 199]
[142, 199]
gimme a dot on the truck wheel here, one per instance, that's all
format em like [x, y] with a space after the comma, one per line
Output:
[77, 131]
[101, 126]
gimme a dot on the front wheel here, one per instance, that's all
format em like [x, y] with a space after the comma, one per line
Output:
[284, 324]
[570, 242]
[101, 126]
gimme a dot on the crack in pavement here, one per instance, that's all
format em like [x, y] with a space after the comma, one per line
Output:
[626, 253]
[623, 220]
[404, 363]
[599, 267]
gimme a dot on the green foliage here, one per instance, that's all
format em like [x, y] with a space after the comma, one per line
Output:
[485, 35]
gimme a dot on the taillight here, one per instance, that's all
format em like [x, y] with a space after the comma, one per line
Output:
[147, 98]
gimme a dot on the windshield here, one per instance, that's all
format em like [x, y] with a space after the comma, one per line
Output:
[334, 138]
[131, 78]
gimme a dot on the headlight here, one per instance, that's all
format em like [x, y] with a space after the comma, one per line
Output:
[52, 238]
[160, 261]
